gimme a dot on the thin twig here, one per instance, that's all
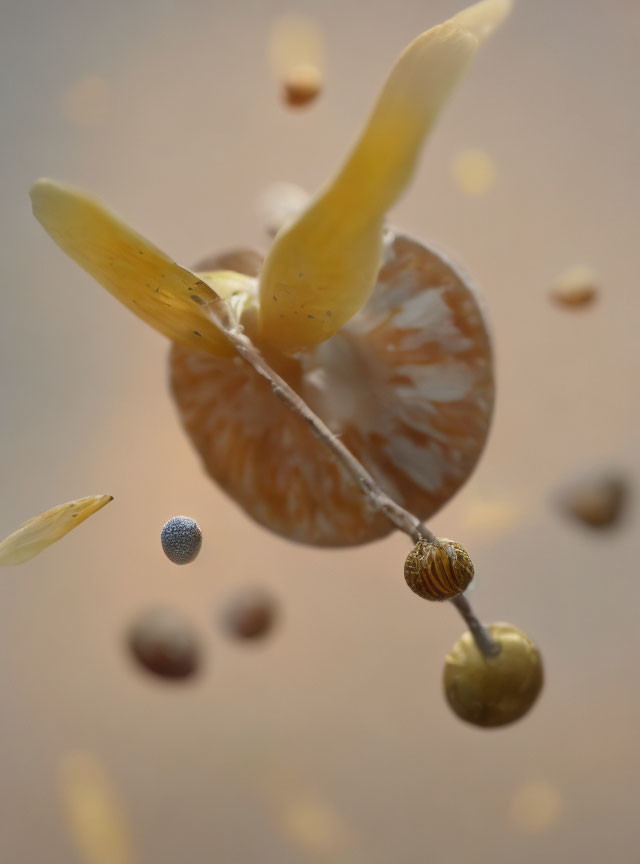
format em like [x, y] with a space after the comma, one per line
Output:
[486, 645]
[379, 500]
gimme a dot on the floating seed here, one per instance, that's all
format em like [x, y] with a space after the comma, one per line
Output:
[598, 501]
[493, 691]
[164, 643]
[301, 85]
[181, 539]
[576, 287]
[250, 614]
[296, 52]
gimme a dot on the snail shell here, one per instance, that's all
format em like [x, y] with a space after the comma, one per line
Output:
[438, 572]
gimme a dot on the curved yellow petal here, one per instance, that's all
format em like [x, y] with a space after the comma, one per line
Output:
[43, 530]
[322, 268]
[482, 18]
[170, 298]
[93, 812]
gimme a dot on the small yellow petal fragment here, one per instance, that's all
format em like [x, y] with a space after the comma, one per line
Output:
[473, 171]
[170, 298]
[536, 807]
[483, 18]
[92, 811]
[322, 268]
[314, 826]
[47, 528]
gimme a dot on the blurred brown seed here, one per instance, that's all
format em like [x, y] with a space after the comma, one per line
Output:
[250, 614]
[598, 501]
[575, 288]
[301, 85]
[493, 691]
[164, 643]
[296, 50]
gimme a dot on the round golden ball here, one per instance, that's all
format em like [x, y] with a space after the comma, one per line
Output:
[493, 691]
[438, 572]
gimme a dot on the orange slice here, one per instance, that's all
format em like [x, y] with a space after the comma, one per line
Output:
[407, 384]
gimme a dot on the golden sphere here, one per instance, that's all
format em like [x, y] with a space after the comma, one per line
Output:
[438, 572]
[493, 691]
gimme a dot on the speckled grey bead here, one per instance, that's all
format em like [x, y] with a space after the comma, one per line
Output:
[181, 539]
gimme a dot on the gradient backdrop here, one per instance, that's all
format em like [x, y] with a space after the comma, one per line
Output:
[330, 741]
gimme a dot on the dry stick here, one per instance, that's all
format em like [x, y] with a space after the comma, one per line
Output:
[379, 500]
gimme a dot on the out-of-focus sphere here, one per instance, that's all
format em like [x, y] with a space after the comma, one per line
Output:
[493, 691]
[250, 614]
[164, 643]
[301, 85]
[577, 287]
[598, 500]
[181, 539]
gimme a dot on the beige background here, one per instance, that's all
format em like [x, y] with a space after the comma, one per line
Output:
[331, 741]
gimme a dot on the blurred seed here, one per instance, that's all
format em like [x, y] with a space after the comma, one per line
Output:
[181, 539]
[576, 287]
[598, 501]
[250, 614]
[165, 643]
[296, 53]
[301, 85]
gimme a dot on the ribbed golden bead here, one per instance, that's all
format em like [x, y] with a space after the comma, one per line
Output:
[438, 572]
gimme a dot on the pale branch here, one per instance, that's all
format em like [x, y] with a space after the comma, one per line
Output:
[486, 645]
[378, 499]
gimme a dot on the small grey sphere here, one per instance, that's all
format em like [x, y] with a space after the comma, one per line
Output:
[181, 539]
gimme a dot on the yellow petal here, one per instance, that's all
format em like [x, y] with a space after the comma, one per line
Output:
[92, 810]
[482, 18]
[170, 298]
[322, 268]
[43, 530]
